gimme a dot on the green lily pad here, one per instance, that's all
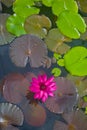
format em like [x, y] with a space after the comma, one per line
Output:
[57, 56]
[60, 62]
[85, 98]
[26, 6]
[47, 2]
[56, 72]
[15, 25]
[61, 5]
[75, 61]
[71, 24]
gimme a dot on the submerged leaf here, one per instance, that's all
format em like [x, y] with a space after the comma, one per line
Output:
[8, 3]
[71, 24]
[28, 48]
[82, 4]
[37, 25]
[80, 83]
[75, 61]
[55, 39]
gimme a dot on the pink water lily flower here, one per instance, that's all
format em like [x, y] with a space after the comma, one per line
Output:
[42, 87]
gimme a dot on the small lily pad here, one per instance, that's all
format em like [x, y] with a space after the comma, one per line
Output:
[56, 72]
[60, 62]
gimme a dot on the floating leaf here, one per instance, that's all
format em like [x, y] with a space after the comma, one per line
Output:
[59, 125]
[5, 36]
[8, 3]
[63, 48]
[37, 25]
[28, 48]
[10, 127]
[34, 115]
[15, 87]
[60, 62]
[57, 56]
[65, 96]
[85, 98]
[82, 4]
[59, 6]
[56, 72]
[76, 120]
[55, 39]
[26, 6]
[71, 24]
[15, 25]
[80, 83]
[76, 61]
[47, 2]
[11, 113]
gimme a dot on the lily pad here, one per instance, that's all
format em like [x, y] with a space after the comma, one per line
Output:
[47, 2]
[8, 3]
[15, 25]
[15, 87]
[5, 36]
[34, 115]
[82, 4]
[37, 25]
[75, 61]
[56, 72]
[55, 39]
[59, 6]
[11, 113]
[65, 96]
[76, 120]
[80, 83]
[71, 24]
[26, 6]
[28, 48]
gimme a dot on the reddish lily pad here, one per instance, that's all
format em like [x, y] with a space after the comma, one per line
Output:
[65, 96]
[28, 48]
[15, 87]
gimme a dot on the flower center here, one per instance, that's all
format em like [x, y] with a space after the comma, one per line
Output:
[42, 87]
